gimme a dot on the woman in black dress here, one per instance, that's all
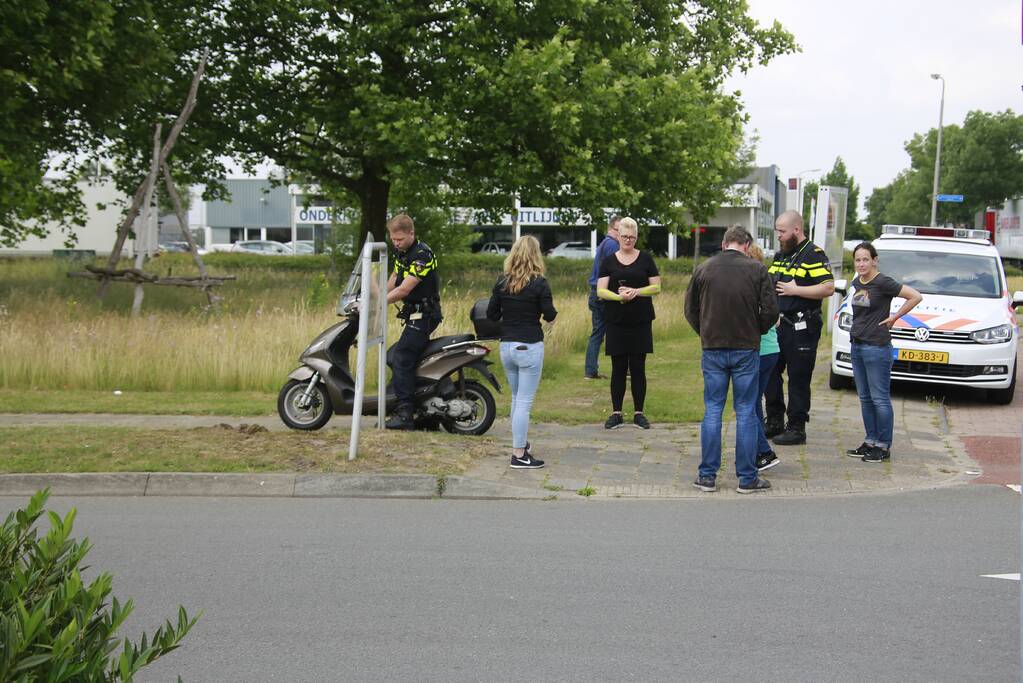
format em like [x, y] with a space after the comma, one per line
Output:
[627, 282]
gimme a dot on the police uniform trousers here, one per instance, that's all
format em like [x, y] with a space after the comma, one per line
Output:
[797, 354]
[404, 356]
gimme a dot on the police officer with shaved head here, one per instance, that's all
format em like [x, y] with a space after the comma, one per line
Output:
[413, 283]
[803, 279]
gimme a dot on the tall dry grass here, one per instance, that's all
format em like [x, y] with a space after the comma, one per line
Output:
[54, 333]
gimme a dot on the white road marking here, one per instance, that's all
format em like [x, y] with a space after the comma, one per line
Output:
[1007, 577]
[1015, 487]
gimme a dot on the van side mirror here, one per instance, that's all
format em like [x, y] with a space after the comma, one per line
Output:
[1017, 299]
[842, 286]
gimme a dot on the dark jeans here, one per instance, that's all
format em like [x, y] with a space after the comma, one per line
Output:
[798, 354]
[597, 334]
[872, 368]
[719, 367]
[404, 356]
[767, 363]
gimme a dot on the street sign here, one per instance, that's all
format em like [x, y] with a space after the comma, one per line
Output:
[958, 198]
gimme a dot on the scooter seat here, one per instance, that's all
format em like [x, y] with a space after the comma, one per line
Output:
[436, 345]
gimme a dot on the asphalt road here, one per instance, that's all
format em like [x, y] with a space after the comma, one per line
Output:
[845, 588]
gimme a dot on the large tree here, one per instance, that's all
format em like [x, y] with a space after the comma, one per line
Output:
[981, 160]
[82, 81]
[571, 102]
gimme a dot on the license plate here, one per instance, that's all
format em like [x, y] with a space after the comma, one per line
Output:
[918, 356]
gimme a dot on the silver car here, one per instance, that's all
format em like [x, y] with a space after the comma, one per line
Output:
[573, 250]
[264, 247]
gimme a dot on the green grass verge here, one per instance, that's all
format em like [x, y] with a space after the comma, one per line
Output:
[229, 403]
[214, 449]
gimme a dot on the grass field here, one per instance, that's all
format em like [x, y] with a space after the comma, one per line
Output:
[63, 350]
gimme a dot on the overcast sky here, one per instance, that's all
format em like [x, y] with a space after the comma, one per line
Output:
[861, 86]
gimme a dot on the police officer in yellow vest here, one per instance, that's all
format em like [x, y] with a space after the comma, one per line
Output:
[413, 283]
[803, 279]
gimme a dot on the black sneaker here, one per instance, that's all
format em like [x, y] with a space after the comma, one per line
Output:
[757, 484]
[766, 461]
[877, 454]
[773, 428]
[708, 484]
[793, 436]
[400, 420]
[614, 422]
[639, 419]
[526, 462]
[596, 376]
[859, 451]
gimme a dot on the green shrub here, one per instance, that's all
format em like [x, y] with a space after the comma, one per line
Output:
[53, 627]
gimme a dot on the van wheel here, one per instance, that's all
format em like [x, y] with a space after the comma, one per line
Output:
[838, 382]
[1003, 397]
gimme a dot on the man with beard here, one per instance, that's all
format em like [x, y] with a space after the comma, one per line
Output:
[802, 279]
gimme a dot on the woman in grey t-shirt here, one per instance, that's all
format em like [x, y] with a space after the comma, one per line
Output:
[872, 294]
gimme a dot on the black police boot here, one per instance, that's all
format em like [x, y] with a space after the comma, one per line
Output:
[400, 419]
[773, 426]
[792, 436]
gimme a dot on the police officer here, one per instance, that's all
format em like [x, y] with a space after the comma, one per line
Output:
[802, 280]
[414, 284]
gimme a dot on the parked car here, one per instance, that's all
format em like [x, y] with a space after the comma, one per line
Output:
[178, 248]
[496, 248]
[303, 247]
[573, 250]
[964, 333]
[264, 247]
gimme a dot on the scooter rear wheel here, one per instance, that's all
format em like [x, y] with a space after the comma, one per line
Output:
[486, 411]
[313, 417]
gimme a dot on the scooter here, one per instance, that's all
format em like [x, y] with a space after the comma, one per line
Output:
[324, 385]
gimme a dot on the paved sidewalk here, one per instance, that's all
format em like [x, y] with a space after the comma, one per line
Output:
[663, 461]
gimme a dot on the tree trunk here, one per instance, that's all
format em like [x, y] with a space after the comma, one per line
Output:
[373, 195]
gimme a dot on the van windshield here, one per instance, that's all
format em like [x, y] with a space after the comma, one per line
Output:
[931, 272]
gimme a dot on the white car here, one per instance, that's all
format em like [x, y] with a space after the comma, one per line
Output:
[963, 333]
[265, 247]
[496, 248]
[574, 250]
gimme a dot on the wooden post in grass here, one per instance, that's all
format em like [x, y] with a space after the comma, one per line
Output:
[168, 145]
[145, 221]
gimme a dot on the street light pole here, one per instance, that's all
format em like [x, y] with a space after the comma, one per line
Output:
[937, 157]
[799, 185]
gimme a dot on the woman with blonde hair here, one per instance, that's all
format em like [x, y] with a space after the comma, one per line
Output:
[520, 298]
[628, 279]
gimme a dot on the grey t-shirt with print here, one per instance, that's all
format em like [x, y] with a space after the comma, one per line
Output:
[872, 304]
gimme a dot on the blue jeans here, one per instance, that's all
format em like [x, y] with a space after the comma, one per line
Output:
[741, 366]
[872, 369]
[597, 334]
[523, 364]
[767, 363]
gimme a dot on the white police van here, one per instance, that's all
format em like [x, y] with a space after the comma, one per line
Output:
[963, 333]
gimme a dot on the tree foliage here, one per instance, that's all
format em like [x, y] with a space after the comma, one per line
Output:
[572, 102]
[82, 81]
[53, 625]
[981, 160]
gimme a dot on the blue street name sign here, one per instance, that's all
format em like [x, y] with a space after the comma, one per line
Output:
[950, 198]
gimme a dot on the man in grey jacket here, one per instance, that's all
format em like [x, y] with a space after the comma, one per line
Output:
[730, 302]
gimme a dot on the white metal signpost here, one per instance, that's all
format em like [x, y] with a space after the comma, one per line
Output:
[372, 316]
[828, 233]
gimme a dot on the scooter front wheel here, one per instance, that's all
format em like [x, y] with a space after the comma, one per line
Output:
[483, 416]
[295, 414]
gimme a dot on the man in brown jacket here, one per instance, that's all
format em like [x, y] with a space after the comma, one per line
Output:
[730, 302]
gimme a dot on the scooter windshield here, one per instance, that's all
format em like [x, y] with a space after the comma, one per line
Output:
[349, 300]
